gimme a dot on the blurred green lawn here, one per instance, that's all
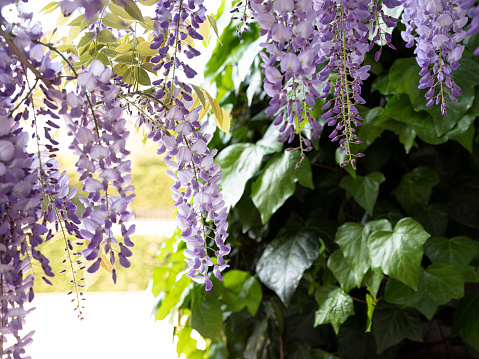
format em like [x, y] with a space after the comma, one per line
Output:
[136, 277]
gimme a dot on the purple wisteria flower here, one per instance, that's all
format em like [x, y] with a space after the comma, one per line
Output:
[289, 65]
[94, 119]
[176, 126]
[436, 27]
[20, 210]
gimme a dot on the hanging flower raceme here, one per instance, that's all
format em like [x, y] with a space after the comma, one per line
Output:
[436, 27]
[20, 233]
[343, 39]
[289, 65]
[177, 128]
[94, 119]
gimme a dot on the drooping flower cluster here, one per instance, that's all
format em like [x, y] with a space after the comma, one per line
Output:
[289, 65]
[473, 13]
[436, 27]
[176, 127]
[20, 210]
[94, 118]
[301, 35]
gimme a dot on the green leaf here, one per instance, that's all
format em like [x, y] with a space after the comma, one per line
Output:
[206, 315]
[456, 252]
[239, 162]
[335, 306]
[277, 182]
[144, 49]
[322, 354]
[106, 36]
[438, 282]
[269, 143]
[416, 187]
[352, 238]
[399, 253]
[119, 10]
[131, 8]
[174, 298]
[50, 7]
[143, 77]
[257, 340]
[433, 217]
[373, 279]
[186, 344]
[116, 22]
[427, 307]
[341, 270]
[285, 259]
[465, 319]
[391, 325]
[241, 290]
[443, 283]
[364, 190]
[86, 39]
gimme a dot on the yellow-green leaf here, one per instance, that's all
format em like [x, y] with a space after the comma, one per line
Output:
[148, 23]
[144, 49]
[50, 7]
[148, 66]
[212, 21]
[119, 10]
[124, 48]
[91, 278]
[200, 94]
[62, 20]
[103, 58]
[106, 36]
[73, 33]
[85, 40]
[143, 78]
[226, 121]
[105, 264]
[147, 2]
[133, 10]
[204, 31]
[127, 59]
[116, 22]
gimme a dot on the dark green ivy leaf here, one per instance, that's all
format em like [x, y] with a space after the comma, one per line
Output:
[241, 290]
[456, 252]
[335, 306]
[284, 260]
[277, 182]
[341, 270]
[206, 315]
[364, 190]
[416, 187]
[391, 325]
[465, 319]
[399, 253]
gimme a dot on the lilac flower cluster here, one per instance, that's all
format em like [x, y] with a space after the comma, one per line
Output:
[91, 7]
[94, 119]
[289, 65]
[180, 135]
[343, 31]
[436, 27]
[301, 35]
[20, 210]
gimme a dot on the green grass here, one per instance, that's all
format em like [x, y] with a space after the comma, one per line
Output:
[136, 277]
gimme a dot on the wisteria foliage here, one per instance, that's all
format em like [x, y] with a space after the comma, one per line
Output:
[313, 50]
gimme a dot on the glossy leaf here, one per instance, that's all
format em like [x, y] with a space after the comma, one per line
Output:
[241, 290]
[206, 315]
[335, 306]
[456, 252]
[364, 190]
[391, 325]
[284, 260]
[352, 238]
[277, 182]
[342, 271]
[399, 252]
[239, 163]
